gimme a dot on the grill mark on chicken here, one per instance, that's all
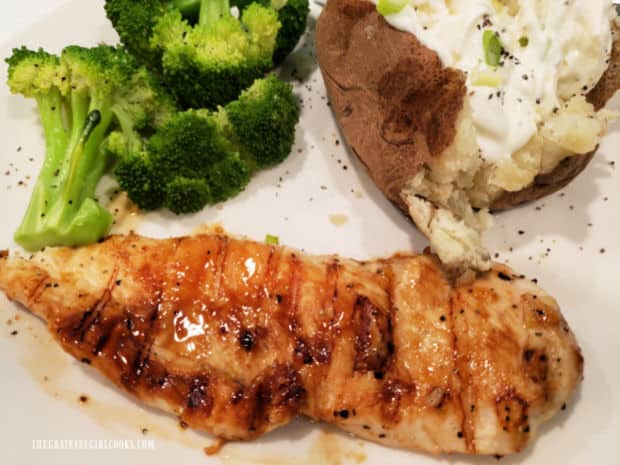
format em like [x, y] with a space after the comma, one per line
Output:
[333, 269]
[373, 337]
[89, 318]
[108, 328]
[332, 313]
[88, 324]
[104, 328]
[142, 327]
[140, 336]
[38, 289]
[96, 329]
[77, 330]
[313, 334]
[391, 308]
[221, 254]
[466, 427]
[280, 390]
[319, 336]
[270, 271]
[286, 293]
[292, 299]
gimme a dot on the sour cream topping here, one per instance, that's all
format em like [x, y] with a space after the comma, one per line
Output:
[552, 50]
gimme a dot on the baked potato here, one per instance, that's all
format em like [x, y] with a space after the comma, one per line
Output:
[408, 117]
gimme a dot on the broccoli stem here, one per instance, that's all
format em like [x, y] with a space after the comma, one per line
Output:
[80, 161]
[84, 159]
[50, 108]
[188, 8]
[79, 112]
[81, 94]
[61, 206]
[44, 193]
[212, 11]
[96, 163]
[125, 121]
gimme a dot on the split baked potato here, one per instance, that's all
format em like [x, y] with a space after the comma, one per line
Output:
[408, 118]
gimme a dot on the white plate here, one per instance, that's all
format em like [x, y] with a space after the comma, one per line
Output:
[570, 242]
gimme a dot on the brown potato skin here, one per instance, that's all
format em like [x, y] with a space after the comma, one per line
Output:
[395, 102]
[545, 184]
[397, 105]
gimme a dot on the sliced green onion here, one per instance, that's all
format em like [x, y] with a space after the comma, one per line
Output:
[492, 48]
[272, 240]
[486, 78]
[390, 7]
[524, 42]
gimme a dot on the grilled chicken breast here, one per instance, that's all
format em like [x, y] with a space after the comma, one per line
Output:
[237, 338]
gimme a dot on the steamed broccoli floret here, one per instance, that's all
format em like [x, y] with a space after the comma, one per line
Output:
[81, 96]
[187, 164]
[292, 15]
[204, 53]
[137, 176]
[189, 145]
[134, 21]
[201, 157]
[144, 103]
[263, 120]
[208, 64]
[187, 195]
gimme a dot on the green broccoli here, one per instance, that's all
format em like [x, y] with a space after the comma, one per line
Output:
[292, 15]
[202, 157]
[262, 121]
[204, 53]
[210, 63]
[81, 96]
[134, 22]
[185, 165]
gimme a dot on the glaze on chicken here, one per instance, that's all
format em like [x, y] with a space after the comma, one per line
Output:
[237, 338]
